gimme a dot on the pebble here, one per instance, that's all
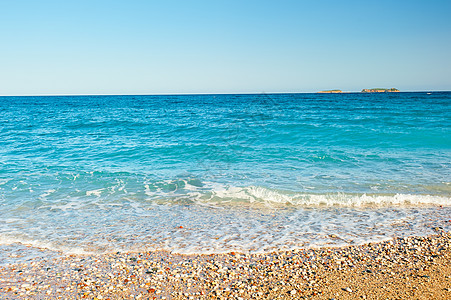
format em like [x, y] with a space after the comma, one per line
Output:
[302, 273]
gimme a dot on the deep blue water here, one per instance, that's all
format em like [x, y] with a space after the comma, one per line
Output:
[238, 172]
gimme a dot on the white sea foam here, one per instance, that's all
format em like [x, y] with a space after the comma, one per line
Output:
[261, 195]
[47, 193]
[41, 244]
[207, 229]
[215, 218]
[97, 192]
[147, 190]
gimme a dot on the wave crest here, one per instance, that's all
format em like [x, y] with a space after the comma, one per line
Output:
[255, 195]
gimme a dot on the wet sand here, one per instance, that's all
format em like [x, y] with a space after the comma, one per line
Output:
[403, 268]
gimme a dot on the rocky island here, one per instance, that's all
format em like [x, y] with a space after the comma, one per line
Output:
[331, 92]
[378, 90]
[375, 90]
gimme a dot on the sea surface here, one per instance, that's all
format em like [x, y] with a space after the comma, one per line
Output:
[220, 173]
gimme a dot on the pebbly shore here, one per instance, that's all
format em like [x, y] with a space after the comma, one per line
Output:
[402, 268]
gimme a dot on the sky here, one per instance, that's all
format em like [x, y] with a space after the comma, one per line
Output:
[222, 46]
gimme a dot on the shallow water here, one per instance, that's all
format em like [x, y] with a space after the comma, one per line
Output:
[216, 173]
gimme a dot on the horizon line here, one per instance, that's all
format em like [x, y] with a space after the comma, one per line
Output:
[213, 93]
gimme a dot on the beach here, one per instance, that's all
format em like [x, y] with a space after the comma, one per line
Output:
[401, 268]
[225, 150]
[253, 196]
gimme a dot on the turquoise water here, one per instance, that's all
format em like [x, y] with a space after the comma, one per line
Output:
[252, 173]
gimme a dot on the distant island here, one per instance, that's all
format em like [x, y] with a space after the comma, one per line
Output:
[376, 90]
[331, 92]
[392, 90]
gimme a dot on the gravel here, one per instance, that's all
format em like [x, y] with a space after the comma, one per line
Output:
[402, 268]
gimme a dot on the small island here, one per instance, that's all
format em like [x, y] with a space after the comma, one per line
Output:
[378, 90]
[375, 90]
[331, 92]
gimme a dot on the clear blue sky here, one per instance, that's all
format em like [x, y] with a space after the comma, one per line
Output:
[228, 46]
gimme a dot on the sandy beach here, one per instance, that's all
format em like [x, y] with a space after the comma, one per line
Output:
[403, 268]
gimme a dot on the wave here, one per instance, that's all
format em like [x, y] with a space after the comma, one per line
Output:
[190, 216]
[255, 195]
[104, 190]
[36, 243]
[185, 192]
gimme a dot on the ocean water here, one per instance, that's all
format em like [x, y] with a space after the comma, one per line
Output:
[220, 173]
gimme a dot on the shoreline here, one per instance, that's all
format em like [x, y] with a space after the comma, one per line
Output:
[401, 268]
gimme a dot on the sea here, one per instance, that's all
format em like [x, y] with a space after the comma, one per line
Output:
[249, 173]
